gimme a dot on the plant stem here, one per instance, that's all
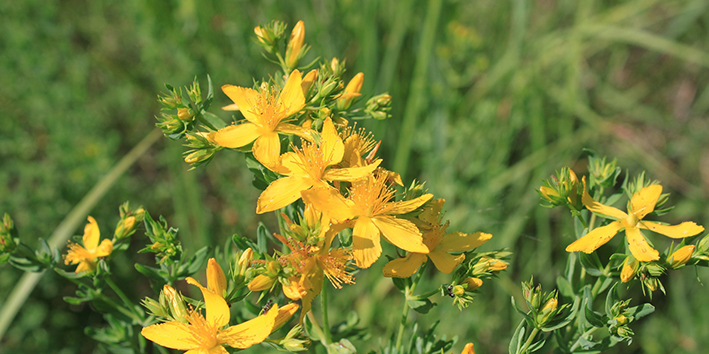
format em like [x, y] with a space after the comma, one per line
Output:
[529, 340]
[323, 309]
[129, 304]
[405, 310]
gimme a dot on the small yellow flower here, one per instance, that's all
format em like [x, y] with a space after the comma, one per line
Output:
[371, 209]
[308, 167]
[208, 334]
[641, 204]
[266, 116]
[87, 255]
[439, 243]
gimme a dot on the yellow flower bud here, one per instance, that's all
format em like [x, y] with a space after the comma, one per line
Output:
[309, 80]
[261, 282]
[468, 349]
[125, 227]
[458, 290]
[351, 91]
[681, 256]
[335, 64]
[472, 283]
[245, 260]
[263, 35]
[550, 305]
[628, 271]
[175, 303]
[216, 280]
[185, 114]
[295, 45]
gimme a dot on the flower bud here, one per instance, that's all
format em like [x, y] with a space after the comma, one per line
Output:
[458, 290]
[309, 80]
[603, 173]
[468, 349]
[261, 282]
[379, 106]
[185, 114]
[245, 261]
[175, 303]
[198, 156]
[7, 235]
[472, 283]
[628, 271]
[351, 91]
[680, 257]
[125, 227]
[294, 50]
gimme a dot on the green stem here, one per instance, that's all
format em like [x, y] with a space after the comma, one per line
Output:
[62, 233]
[405, 310]
[126, 301]
[318, 330]
[323, 309]
[529, 340]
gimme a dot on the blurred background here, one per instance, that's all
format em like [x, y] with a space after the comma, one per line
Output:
[489, 98]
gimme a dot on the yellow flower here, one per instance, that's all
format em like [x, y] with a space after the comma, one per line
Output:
[439, 243]
[371, 209]
[266, 116]
[87, 255]
[207, 335]
[308, 167]
[641, 204]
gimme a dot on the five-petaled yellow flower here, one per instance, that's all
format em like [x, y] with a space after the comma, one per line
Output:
[371, 209]
[87, 255]
[439, 243]
[206, 335]
[641, 204]
[266, 115]
[308, 167]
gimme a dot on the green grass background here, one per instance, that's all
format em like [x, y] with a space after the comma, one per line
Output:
[490, 97]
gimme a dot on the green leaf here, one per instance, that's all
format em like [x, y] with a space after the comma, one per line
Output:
[641, 311]
[517, 337]
[262, 235]
[422, 305]
[150, 272]
[591, 263]
[213, 120]
[565, 288]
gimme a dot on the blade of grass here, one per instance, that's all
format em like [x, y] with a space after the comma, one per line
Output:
[417, 95]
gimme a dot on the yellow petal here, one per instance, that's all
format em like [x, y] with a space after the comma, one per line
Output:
[173, 334]
[460, 242]
[217, 309]
[431, 213]
[231, 107]
[281, 192]
[404, 267]
[104, 249]
[639, 247]
[216, 280]
[284, 314]
[444, 261]
[292, 97]
[596, 238]
[331, 145]
[407, 206]
[85, 266]
[267, 149]
[297, 130]
[235, 136]
[245, 99]
[401, 233]
[91, 234]
[643, 202]
[682, 230]
[468, 349]
[366, 245]
[293, 165]
[329, 202]
[251, 332]
[599, 208]
[350, 174]
[294, 290]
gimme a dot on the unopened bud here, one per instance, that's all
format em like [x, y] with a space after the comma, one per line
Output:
[175, 303]
[458, 290]
[199, 156]
[628, 271]
[7, 235]
[294, 50]
[468, 349]
[245, 261]
[309, 80]
[472, 283]
[261, 282]
[125, 227]
[351, 91]
[185, 114]
[681, 256]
